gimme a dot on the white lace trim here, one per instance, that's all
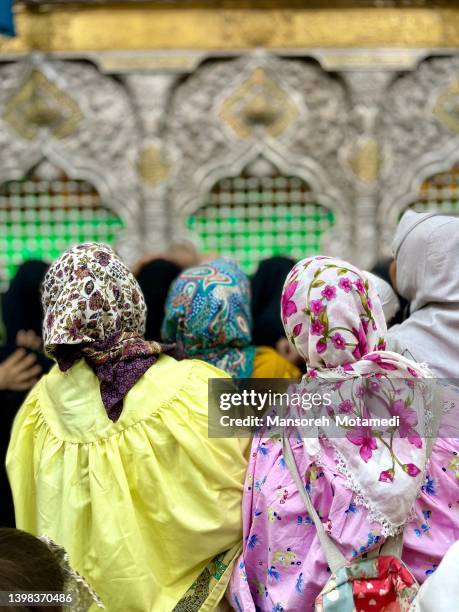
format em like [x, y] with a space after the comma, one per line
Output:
[374, 515]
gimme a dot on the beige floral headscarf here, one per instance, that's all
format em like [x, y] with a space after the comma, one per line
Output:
[94, 309]
[89, 294]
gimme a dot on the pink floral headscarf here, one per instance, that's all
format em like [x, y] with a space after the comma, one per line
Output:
[333, 316]
[331, 313]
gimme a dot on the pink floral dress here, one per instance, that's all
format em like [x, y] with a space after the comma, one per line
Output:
[282, 566]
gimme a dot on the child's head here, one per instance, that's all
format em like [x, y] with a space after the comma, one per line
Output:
[27, 564]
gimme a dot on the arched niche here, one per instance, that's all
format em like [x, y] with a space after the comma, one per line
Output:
[46, 212]
[439, 193]
[80, 121]
[422, 190]
[419, 133]
[230, 113]
[259, 212]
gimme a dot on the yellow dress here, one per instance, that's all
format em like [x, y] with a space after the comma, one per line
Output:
[269, 364]
[142, 505]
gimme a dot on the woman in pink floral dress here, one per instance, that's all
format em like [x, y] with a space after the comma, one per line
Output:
[363, 487]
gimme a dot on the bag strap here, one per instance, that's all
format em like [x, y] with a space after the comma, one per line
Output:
[392, 547]
[335, 558]
[437, 412]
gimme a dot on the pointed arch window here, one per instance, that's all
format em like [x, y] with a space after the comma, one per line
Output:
[259, 214]
[45, 213]
[440, 193]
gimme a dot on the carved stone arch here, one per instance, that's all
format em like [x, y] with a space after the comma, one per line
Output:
[78, 119]
[231, 111]
[73, 170]
[426, 167]
[419, 132]
[308, 171]
[233, 165]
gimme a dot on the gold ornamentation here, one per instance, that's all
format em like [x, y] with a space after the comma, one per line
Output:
[126, 62]
[335, 60]
[104, 28]
[365, 161]
[259, 102]
[151, 166]
[41, 104]
[447, 108]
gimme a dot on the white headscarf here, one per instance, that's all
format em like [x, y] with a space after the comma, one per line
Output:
[426, 248]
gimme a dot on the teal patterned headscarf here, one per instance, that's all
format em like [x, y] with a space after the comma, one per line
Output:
[208, 312]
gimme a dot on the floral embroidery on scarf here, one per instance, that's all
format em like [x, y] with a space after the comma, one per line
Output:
[89, 294]
[333, 316]
[333, 287]
[94, 309]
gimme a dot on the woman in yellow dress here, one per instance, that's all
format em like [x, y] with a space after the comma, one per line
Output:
[110, 455]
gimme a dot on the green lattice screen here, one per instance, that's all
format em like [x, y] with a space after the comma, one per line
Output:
[251, 218]
[440, 193]
[40, 218]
